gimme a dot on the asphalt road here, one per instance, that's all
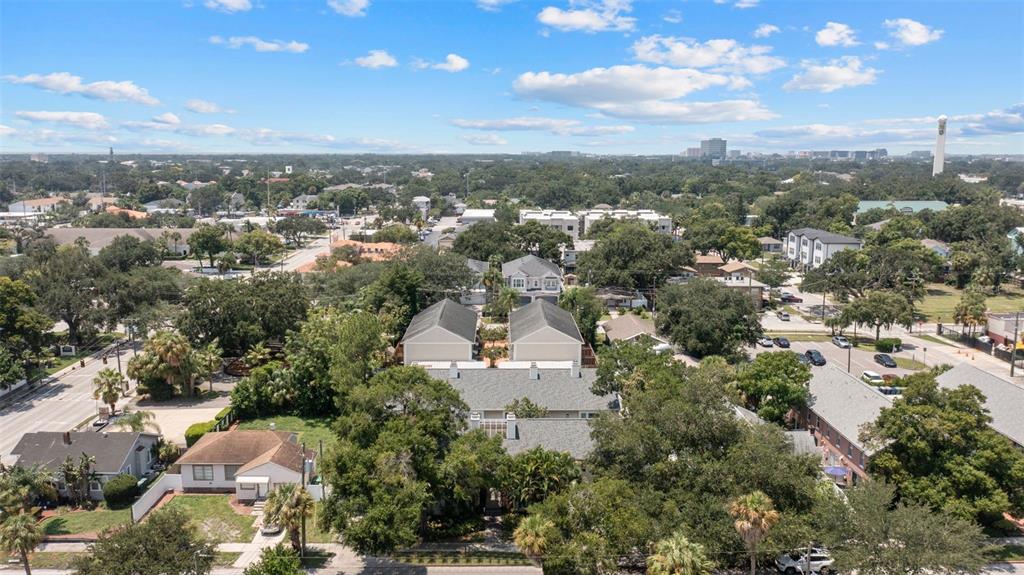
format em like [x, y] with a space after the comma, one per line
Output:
[59, 405]
[857, 359]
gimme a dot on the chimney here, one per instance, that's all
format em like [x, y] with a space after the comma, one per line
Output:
[67, 438]
[453, 371]
[534, 372]
[574, 369]
[511, 428]
[474, 420]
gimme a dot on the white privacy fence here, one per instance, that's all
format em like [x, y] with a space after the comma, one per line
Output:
[146, 501]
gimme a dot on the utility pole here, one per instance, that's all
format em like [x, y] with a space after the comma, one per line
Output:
[849, 350]
[302, 549]
[1013, 351]
[117, 352]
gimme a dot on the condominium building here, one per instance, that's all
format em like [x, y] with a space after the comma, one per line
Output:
[563, 220]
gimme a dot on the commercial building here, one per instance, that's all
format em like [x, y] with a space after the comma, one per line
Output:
[660, 223]
[562, 220]
[713, 148]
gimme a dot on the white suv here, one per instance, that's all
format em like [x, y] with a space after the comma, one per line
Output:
[796, 561]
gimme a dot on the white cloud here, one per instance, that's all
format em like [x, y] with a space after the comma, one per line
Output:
[452, 63]
[6, 130]
[836, 34]
[202, 106]
[590, 16]
[261, 45]
[1007, 121]
[557, 126]
[840, 134]
[719, 54]
[350, 8]
[484, 139]
[492, 5]
[843, 72]
[89, 120]
[229, 5]
[167, 118]
[909, 32]
[641, 93]
[741, 4]
[377, 59]
[207, 130]
[882, 45]
[53, 138]
[673, 17]
[65, 83]
[766, 30]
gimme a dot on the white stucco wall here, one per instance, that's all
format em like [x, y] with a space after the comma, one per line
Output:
[426, 351]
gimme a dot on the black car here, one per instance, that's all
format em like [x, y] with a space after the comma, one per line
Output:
[801, 357]
[781, 342]
[789, 298]
[815, 357]
[885, 360]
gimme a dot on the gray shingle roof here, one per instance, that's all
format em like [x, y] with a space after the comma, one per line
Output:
[478, 266]
[493, 389]
[826, 237]
[845, 402]
[47, 449]
[627, 326]
[1004, 400]
[531, 266]
[538, 314]
[570, 436]
[445, 314]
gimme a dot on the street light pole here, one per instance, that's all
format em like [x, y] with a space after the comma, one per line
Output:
[1013, 350]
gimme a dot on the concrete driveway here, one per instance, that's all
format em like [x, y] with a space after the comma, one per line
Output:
[176, 415]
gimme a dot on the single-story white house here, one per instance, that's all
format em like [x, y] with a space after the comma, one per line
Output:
[249, 462]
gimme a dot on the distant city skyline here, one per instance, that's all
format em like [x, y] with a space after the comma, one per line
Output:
[509, 76]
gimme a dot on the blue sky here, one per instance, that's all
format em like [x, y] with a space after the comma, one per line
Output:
[600, 76]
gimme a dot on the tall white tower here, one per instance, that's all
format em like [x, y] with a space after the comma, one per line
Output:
[940, 148]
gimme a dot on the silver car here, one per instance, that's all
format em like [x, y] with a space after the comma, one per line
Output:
[796, 561]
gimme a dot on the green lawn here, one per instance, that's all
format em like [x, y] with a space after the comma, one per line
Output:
[314, 534]
[310, 430]
[1007, 553]
[103, 340]
[942, 299]
[799, 336]
[934, 339]
[908, 363]
[74, 522]
[47, 559]
[214, 517]
[225, 558]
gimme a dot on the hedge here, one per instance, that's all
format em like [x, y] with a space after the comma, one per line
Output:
[888, 344]
[197, 430]
[121, 490]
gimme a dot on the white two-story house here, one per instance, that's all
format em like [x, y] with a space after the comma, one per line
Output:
[534, 278]
[808, 248]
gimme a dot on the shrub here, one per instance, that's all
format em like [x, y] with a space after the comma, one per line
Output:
[197, 430]
[888, 344]
[168, 453]
[121, 490]
[497, 333]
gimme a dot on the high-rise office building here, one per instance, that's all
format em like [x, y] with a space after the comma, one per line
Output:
[713, 148]
[940, 148]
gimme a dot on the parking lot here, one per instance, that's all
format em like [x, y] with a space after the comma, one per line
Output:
[859, 360]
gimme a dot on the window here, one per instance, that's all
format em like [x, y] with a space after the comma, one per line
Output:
[230, 471]
[95, 486]
[849, 450]
[839, 442]
[550, 284]
[202, 472]
[518, 282]
[247, 486]
[587, 415]
[569, 228]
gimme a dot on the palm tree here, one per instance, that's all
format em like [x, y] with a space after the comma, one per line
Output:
[137, 421]
[677, 555]
[68, 473]
[506, 301]
[755, 515]
[20, 534]
[286, 506]
[534, 535]
[20, 486]
[205, 362]
[108, 387]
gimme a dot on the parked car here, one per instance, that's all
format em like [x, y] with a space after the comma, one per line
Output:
[841, 341]
[872, 378]
[801, 357]
[269, 529]
[783, 315]
[765, 341]
[815, 357]
[781, 342]
[885, 360]
[790, 298]
[796, 561]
